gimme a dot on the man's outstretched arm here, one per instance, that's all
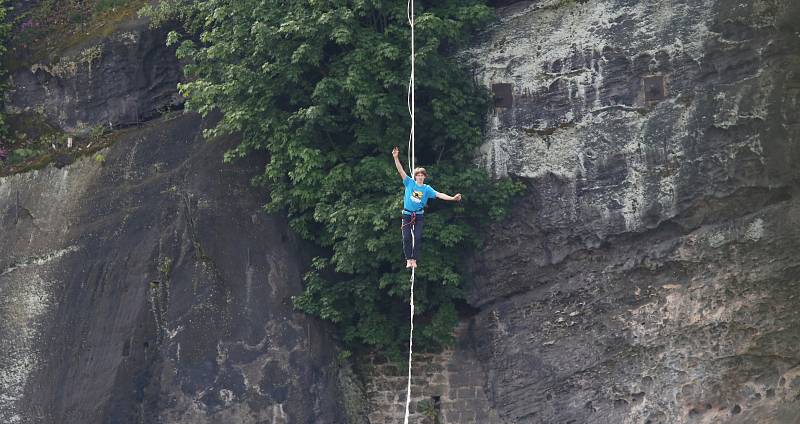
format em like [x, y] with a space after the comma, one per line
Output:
[456, 198]
[396, 154]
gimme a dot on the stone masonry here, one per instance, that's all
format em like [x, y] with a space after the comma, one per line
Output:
[447, 387]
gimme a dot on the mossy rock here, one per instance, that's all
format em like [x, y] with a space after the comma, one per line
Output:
[29, 126]
[44, 33]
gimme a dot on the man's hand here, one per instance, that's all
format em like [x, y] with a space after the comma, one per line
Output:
[396, 152]
[457, 197]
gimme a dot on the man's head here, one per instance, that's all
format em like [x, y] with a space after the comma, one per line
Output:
[420, 174]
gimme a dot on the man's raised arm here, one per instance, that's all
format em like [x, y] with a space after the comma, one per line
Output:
[396, 155]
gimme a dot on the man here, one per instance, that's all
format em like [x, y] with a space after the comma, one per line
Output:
[417, 195]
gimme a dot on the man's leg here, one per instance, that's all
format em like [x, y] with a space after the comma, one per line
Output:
[406, 225]
[417, 229]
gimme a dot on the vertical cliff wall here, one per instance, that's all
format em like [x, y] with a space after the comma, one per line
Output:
[650, 274]
[123, 79]
[150, 287]
[145, 284]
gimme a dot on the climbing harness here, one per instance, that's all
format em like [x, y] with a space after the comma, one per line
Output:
[411, 222]
[411, 153]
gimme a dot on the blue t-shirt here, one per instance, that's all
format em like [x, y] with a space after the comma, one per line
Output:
[416, 196]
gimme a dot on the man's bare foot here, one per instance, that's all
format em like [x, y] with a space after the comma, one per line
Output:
[408, 263]
[413, 263]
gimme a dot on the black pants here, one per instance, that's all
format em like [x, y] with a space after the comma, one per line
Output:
[412, 223]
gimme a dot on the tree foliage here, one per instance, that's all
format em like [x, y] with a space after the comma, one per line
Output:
[321, 86]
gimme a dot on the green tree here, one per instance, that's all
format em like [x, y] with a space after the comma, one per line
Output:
[321, 86]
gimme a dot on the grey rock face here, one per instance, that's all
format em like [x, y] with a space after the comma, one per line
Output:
[649, 275]
[127, 78]
[151, 288]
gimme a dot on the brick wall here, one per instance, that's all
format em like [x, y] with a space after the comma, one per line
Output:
[447, 388]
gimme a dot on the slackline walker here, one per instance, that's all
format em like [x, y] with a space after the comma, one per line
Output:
[417, 194]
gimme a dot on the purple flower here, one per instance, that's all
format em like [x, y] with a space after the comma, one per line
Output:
[3, 153]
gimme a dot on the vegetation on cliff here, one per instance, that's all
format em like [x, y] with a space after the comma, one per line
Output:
[321, 86]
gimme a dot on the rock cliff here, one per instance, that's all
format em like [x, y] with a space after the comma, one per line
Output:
[120, 80]
[145, 284]
[150, 287]
[649, 275]
[646, 276]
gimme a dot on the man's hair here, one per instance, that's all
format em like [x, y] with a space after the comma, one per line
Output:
[421, 170]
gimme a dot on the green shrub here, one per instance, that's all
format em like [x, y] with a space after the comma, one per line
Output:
[97, 132]
[19, 155]
[103, 5]
[321, 86]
